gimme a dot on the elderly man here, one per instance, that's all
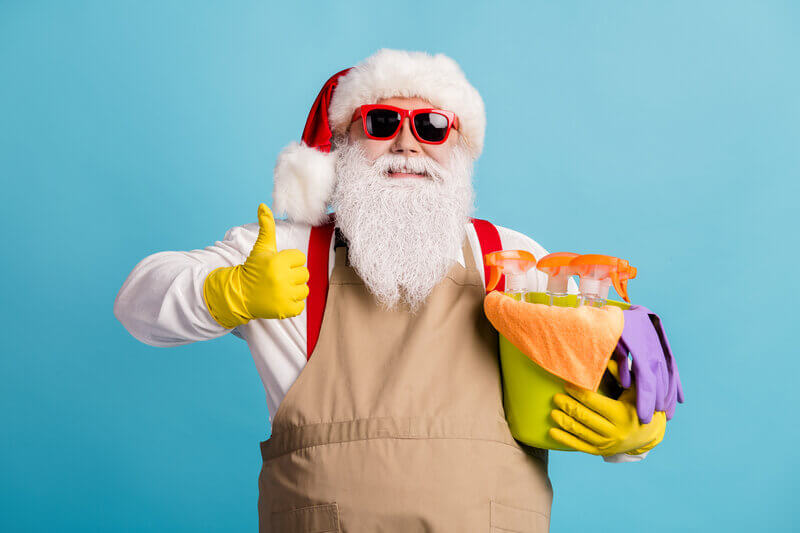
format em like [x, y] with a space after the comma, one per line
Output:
[381, 371]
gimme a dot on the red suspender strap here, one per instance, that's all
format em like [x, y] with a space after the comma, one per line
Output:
[489, 239]
[319, 246]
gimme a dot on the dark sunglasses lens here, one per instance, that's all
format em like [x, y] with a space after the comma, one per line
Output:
[382, 122]
[431, 126]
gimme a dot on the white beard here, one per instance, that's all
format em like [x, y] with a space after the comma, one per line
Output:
[404, 234]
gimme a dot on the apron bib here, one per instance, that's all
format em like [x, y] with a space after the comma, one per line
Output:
[396, 423]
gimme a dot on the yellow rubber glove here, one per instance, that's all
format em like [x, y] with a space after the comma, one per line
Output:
[596, 424]
[269, 284]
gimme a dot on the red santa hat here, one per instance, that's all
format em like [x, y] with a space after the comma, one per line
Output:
[305, 172]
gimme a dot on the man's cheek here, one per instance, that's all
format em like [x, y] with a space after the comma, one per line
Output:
[374, 149]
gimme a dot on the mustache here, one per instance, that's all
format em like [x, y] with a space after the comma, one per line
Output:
[417, 165]
[402, 237]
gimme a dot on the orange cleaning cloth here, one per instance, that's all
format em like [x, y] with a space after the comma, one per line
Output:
[574, 343]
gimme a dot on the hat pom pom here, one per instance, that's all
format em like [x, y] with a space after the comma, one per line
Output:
[303, 183]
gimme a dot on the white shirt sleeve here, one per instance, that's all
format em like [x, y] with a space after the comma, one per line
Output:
[625, 458]
[161, 304]
[161, 301]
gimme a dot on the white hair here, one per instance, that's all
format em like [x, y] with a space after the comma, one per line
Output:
[403, 233]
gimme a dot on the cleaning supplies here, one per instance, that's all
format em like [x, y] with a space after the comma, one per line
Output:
[558, 270]
[548, 350]
[542, 347]
[574, 344]
[515, 265]
[597, 273]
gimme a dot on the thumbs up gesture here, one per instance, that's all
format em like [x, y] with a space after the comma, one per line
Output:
[269, 284]
[273, 283]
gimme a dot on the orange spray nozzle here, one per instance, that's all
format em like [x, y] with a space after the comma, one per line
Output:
[552, 264]
[558, 270]
[511, 262]
[624, 276]
[599, 267]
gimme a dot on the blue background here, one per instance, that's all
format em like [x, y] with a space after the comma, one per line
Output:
[667, 134]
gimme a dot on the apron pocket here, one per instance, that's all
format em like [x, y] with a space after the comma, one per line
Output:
[505, 519]
[323, 518]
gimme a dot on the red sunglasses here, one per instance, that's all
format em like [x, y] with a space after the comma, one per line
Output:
[382, 122]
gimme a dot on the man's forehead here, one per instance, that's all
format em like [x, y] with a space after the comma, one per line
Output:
[405, 102]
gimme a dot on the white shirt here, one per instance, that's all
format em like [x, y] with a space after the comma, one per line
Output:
[161, 301]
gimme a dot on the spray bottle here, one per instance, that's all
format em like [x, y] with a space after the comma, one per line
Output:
[515, 265]
[597, 273]
[558, 270]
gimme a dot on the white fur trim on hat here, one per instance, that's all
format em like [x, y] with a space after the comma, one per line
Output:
[303, 183]
[389, 73]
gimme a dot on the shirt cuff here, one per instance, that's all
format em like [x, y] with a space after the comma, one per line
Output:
[625, 458]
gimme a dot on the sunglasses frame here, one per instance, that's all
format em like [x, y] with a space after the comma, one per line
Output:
[361, 112]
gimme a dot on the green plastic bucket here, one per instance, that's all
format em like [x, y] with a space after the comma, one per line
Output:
[528, 389]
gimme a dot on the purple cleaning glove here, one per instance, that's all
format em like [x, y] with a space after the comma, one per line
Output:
[675, 388]
[658, 386]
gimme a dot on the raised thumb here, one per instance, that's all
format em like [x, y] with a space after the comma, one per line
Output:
[265, 242]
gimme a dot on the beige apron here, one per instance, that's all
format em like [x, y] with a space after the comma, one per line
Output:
[396, 423]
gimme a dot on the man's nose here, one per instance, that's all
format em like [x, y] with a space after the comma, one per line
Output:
[405, 142]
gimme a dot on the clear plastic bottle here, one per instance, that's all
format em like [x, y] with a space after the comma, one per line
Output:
[597, 274]
[515, 265]
[558, 270]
